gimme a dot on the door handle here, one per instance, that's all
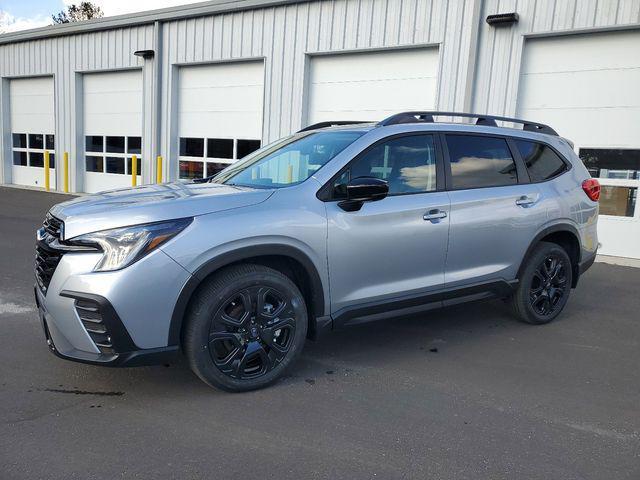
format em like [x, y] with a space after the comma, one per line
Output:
[525, 201]
[434, 215]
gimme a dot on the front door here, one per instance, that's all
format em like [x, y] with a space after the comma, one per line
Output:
[393, 249]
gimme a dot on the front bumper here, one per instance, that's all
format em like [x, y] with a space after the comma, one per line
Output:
[119, 318]
[125, 353]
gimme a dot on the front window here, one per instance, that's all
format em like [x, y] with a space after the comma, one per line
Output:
[289, 161]
[407, 164]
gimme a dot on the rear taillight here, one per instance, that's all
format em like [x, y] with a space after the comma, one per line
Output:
[592, 188]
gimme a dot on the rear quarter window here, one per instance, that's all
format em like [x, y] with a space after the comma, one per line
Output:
[541, 161]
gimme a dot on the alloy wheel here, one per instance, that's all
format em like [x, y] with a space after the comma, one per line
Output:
[548, 286]
[252, 332]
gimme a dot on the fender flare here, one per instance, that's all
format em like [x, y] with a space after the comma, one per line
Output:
[243, 253]
[557, 227]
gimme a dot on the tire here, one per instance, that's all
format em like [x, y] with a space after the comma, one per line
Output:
[545, 285]
[244, 327]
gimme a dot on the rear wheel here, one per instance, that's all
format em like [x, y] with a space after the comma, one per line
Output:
[544, 285]
[245, 327]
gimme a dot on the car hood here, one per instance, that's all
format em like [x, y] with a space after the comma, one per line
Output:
[151, 203]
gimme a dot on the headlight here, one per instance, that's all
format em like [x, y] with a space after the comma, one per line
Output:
[123, 246]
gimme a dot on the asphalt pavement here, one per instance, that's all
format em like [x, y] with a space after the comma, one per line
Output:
[462, 393]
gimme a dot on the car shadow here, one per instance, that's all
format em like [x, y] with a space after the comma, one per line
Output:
[386, 342]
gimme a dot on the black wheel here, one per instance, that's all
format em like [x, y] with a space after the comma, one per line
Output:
[544, 286]
[244, 327]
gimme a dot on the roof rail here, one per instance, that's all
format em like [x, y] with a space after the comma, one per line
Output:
[335, 123]
[486, 120]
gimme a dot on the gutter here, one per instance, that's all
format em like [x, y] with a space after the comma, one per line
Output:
[194, 10]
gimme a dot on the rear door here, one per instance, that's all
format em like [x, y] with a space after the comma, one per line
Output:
[393, 249]
[495, 211]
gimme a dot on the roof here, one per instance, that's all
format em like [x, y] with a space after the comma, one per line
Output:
[200, 9]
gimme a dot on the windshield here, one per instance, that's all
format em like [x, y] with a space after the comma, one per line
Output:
[289, 161]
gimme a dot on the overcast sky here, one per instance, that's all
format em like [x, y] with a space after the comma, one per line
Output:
[24, 14]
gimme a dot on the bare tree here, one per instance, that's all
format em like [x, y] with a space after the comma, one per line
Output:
[78, 13]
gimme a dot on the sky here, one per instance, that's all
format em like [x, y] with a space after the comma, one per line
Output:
[24, 14]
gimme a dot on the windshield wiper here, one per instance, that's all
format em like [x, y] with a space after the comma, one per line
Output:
[203, 180]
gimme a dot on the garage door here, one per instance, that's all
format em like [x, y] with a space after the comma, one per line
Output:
[587, 88]
[372, 85]
[220, 115]
[112, 128]
[32, 130]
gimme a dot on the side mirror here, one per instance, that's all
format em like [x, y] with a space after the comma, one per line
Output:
[363, 189]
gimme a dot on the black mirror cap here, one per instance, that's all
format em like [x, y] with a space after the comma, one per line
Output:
[364, 189]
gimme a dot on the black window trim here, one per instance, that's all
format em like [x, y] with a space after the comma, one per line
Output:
[325, 193]
[521, 168]
[514, 147]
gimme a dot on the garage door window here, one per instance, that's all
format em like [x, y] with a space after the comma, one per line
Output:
[112, 154]
[618, 201]
[203, 157]
[612, 163]
[28, 149]
[479, 161]
[620, 170]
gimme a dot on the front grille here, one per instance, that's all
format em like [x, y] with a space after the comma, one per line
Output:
[52, 226]
[91, 317]
[47, 260]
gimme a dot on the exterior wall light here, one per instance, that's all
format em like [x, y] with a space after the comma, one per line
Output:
[144, 53]
[502, 19]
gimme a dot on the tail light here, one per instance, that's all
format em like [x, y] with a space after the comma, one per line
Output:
[592, 188]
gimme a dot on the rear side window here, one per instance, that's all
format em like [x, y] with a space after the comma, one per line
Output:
[542, 162]
[479, 161]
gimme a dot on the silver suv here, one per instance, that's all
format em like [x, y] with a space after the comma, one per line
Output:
[336, 225]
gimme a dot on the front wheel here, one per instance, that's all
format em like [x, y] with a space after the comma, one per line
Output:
[544, 285]
[245, 327]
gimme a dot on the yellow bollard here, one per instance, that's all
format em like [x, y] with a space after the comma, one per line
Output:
[159, 169]
[66, 172]
[46, 170]
[134, 171]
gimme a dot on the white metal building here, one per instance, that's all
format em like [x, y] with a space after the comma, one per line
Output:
[212, 81]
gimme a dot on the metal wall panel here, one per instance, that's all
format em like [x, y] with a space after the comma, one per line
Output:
[479, 65]
[500, 48]
[65, 58]
[287, 35]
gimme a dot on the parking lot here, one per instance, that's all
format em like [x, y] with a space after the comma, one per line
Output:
[465, 392]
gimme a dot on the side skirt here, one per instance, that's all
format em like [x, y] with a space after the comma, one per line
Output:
[398, 306]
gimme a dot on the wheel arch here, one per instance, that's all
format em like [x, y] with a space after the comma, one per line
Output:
[565, 235]
[288, 259]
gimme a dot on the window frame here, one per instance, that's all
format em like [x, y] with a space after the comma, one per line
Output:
[326, 193]
[205, 158]
[521, 169]
[514, 147]
[616, 182]
[28, 149]
[580, 148]
[104, 154]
